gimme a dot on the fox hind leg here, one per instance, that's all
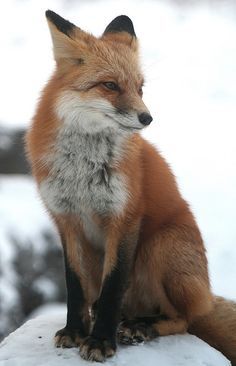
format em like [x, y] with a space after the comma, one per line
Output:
[144, 329]
[171, 275]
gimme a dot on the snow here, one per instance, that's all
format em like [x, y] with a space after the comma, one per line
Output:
[23, 222]
[22, 217]
[19, 203]
[32, 345]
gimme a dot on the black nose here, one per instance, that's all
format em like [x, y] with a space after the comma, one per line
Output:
[145, 118]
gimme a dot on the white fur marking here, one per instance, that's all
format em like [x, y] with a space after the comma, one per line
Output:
[82, 179]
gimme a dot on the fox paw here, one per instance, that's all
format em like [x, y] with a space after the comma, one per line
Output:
[68, 338]
[93, 349]
[133, 332]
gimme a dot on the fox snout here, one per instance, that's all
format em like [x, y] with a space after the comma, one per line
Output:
[131, 105]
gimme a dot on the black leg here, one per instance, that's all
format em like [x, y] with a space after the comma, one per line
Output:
[102, 341]
[75, 330]
[109, 304]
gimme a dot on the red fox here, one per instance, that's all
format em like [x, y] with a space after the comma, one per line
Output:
[135, 261]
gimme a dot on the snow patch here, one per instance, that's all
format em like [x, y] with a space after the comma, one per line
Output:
[24, 225]
[32, 345]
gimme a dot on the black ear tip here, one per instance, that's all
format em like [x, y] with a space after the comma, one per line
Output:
[122, 23]
[50, 14]
[123, 18]
[54, 17]
[62, 24]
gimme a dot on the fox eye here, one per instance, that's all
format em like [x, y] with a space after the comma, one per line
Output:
[111, 85]
[140, 91]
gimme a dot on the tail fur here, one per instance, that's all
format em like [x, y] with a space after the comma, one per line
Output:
[218, 328]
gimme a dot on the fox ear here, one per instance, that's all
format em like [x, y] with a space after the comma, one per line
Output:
[62, 25]
[122, 23]
[67, 38]
[122, 30]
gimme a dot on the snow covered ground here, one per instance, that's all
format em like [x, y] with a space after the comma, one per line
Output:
[32, 345]
[25, 234]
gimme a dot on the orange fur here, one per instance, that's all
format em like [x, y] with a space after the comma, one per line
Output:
[170, 268]
[218, 327]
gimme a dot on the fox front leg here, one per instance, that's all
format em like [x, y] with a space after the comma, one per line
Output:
[75, 330]
[101, 344]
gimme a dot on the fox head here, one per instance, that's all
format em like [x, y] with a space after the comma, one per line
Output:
[100, 81]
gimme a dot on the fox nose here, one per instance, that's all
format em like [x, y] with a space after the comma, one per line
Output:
[145, 118]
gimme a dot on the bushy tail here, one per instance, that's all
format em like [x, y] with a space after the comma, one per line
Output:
[218, 328]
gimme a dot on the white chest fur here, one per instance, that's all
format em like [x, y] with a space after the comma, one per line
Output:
[81, 179]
